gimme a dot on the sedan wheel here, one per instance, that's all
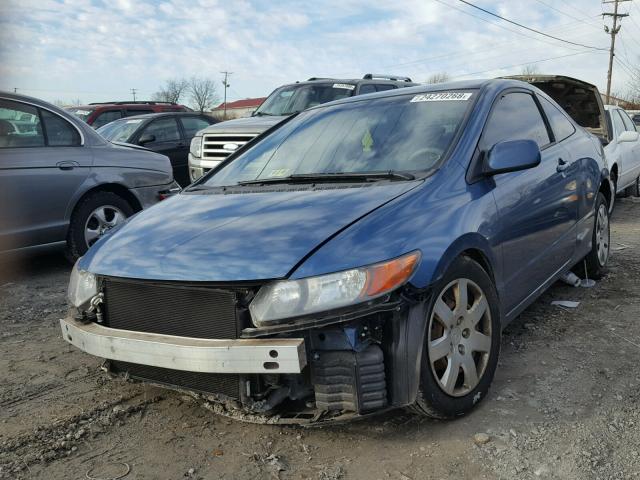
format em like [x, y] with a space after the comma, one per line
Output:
[461, 342]
[602, 235]
[459, 337]
[101, 220]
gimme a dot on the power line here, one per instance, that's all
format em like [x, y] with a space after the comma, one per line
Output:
[529, 28]
[526, 63]
[567, 14]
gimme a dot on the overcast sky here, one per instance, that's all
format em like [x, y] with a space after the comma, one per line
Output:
[98, 50]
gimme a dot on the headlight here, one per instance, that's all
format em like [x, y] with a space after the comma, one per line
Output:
[82, 286]
[196, 147]
[294, 298]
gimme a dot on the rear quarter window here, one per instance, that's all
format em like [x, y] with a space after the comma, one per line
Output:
[560, 125]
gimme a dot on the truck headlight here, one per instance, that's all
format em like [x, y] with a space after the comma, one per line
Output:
[82, 287]
[196, 147]
[294, 298]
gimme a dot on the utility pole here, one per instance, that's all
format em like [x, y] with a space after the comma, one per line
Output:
[225, 82]
[613, 32]
[15, 89]
[133, 92]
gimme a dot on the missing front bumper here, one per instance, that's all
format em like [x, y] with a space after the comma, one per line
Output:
[282, 355]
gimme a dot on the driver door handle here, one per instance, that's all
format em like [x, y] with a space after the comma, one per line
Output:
[562, 165]
[67, 165]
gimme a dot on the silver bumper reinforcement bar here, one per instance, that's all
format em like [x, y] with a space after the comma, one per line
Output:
[280, 355]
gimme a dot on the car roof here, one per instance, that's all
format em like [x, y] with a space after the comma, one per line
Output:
[145, 116]
[354, 81]
[437, 87]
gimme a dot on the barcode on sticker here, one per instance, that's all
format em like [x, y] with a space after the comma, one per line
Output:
[442, 97]
[344, 85]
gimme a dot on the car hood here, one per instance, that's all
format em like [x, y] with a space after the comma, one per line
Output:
[581, 100]
[211, 237]
[244, 125]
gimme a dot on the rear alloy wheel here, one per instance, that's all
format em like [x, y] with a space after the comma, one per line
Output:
[596, 260]
[94, 216]
[462, 342]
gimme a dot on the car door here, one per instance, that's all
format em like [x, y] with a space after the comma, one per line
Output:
[631, 150]
[163, 135]
[40, 171]
[537, 211]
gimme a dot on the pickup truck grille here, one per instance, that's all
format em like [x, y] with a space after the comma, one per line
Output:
[213, 144]
[170, 309]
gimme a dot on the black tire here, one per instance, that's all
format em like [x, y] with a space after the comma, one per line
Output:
[76, 243]
[433, 400]
[596, 266]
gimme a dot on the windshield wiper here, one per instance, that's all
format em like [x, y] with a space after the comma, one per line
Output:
[263, 114]
[331, 177]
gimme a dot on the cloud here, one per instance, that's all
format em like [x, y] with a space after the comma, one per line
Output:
[98, 50]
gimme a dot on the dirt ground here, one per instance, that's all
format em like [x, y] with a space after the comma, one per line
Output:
[565, 402]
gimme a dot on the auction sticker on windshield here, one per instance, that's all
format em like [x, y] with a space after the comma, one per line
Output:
[442, 97]
[344, 85]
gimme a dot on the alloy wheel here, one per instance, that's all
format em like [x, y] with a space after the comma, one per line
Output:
[101, 220]
[459, 337]
[602, 235]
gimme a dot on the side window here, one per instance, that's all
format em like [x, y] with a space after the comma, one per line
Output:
[617, 122]
[164, 129]
[560, 124]
[367, 88]
[106, 117]
[139, 111]
[384, 86]
[515, 117]
[60, 133]
[192, 124]
[628, 124]
[19, 125]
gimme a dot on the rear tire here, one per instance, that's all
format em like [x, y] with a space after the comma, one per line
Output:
[93, 216]
[462, 342]
[596, 260]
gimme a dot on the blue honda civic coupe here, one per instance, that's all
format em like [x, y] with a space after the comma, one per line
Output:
[360, 256]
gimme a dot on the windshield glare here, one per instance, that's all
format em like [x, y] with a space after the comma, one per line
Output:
[399, 133]
[119, 131]
[295, 98]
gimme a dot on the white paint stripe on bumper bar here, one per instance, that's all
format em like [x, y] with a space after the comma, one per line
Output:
[282, 355]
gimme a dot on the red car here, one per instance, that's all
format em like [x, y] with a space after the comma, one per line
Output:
[99, 114]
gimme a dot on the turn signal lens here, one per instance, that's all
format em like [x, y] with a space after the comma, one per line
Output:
[384, 277]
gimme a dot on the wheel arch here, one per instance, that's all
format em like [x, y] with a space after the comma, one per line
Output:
[115, 188]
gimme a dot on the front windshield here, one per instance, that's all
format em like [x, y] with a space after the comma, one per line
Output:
[295, 98]
[120, 130]
[81, 113]
[399, 133]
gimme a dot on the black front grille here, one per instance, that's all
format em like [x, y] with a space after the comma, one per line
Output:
[220, 383]
[170, 309]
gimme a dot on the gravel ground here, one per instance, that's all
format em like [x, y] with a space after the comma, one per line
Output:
[565, 402]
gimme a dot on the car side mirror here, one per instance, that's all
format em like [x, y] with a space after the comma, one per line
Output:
[628, 136]
[146, 138]
[511, 156]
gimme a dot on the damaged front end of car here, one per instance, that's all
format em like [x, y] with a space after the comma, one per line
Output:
[306, 351]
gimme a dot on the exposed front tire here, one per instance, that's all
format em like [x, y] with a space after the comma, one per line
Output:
[93, 217]
[462, 342]
[598, 257]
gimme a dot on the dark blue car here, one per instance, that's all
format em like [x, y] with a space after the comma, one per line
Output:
[360, 256]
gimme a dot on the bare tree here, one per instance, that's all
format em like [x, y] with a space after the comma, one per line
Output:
[172, 90]
[202, 93]
[529, 70]
[439, 77]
